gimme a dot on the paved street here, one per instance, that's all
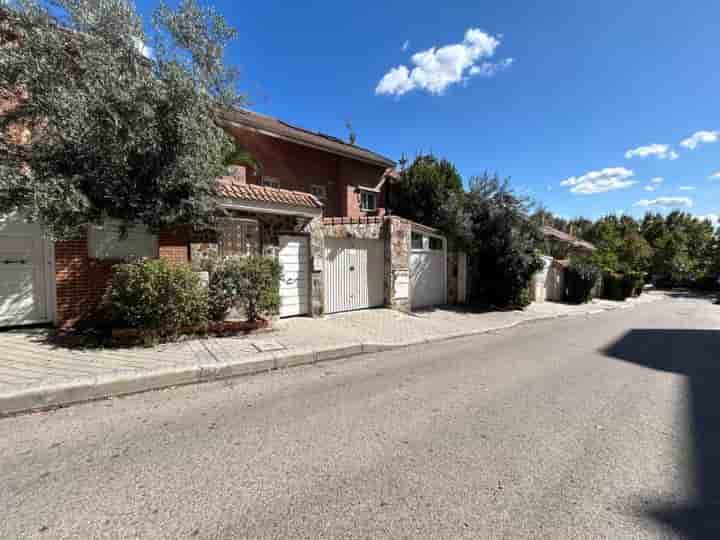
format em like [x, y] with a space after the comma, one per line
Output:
[602, 426]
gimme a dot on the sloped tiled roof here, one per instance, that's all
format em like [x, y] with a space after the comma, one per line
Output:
[557, 234]
[255, 193]
[260, 122]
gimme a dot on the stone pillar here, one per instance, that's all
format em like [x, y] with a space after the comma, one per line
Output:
[397, 263]
[317, 263]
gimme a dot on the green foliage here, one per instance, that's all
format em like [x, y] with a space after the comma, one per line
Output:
[158, 295]
[117, 134]
[620, 286]
[613, 287]
[685, 248]
[493, 226]
[619, 245]
[250, 284]
[581, 277]
[428, 192]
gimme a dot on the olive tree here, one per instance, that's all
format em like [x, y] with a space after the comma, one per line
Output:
[119, 129]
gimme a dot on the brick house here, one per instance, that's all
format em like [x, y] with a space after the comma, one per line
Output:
[314, 201]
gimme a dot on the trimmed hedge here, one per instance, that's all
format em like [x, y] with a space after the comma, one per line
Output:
[621, 286]
[580, 278]
[158, 295]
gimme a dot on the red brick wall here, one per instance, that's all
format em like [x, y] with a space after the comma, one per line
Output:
[83, 284]
[175, 245]
[298, 167]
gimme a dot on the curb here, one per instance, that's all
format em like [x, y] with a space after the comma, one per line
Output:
[62, 395]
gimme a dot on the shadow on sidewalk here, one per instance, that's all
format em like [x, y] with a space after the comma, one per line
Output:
[696, 355]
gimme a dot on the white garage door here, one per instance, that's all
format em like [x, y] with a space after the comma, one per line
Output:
[294, 258]
[25, 267]
[427, 271]
[354, 274]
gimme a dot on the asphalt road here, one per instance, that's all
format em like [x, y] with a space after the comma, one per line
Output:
[605, 426]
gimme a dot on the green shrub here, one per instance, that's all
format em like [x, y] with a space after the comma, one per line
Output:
[612, 286]
[250, 284]
[158, 295]
[620, 286]
[580, 278]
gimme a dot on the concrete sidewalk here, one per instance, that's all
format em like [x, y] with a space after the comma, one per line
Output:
[35, 374]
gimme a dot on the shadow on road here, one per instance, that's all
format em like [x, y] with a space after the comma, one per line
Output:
[696, 355]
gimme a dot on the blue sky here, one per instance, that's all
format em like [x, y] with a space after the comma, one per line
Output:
[543, 92]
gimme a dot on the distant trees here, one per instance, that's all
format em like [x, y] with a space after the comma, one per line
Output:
[685, 248]
[676, 249]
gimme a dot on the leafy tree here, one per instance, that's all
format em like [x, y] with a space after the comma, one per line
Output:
[620, 245]
[684, 247]
[118, 131]
[428, 192]
[500, 239]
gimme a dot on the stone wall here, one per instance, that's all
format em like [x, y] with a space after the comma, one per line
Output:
[398, 292]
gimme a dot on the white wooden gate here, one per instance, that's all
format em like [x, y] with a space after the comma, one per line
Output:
[25, 273]
[294, 256]
[428, 271]
[354, 274]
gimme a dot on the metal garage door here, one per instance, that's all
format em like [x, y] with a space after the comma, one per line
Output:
[427, 271]
[354, 274]
[294, 257]
[25, 270]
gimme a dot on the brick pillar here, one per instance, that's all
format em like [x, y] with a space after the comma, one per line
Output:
[82, 284]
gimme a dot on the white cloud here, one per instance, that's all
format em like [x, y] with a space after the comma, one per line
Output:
[667, 202]
[712, 218]
[609, 179]
[650, 188]
[437, 68]
[143, 49]
[406, 45]
[700, 137]
[715, 176]
[660, 151]
[488, 69]
[657, 180]
[687, 188]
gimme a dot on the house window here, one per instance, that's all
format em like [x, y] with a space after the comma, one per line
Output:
[270, 182]
[319, 191]
[417, 241]
[239, 237]
[436, 244]
[368, 201]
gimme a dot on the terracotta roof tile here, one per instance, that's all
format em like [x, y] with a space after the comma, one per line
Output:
[255, 193]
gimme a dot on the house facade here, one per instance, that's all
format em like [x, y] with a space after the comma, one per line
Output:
[315, 202]
[349, 180]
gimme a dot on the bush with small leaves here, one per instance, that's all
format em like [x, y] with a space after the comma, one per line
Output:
[581, 277]
[250, 284]
[158, 296]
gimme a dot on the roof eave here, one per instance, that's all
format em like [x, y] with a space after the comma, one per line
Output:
[264, 207]
[383, 162]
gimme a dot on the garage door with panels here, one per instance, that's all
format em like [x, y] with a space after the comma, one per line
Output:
[26, 287]
[294, 256]
[428, 270]
[354, 274]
